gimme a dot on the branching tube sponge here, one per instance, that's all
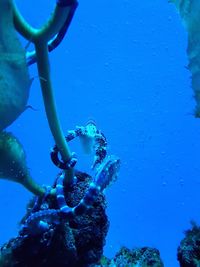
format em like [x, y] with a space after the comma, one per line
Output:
[15, 84]
[189, 11]
[14, 77]
[13, 163]
[40, 38]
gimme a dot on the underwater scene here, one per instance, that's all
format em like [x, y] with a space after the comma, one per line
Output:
[100, 133]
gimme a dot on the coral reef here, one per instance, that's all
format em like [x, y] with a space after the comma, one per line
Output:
[65, 224]
[75, 242]
[189, 249]
[137, 257]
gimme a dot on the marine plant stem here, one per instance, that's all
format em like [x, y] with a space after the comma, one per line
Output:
[45, 33]
[32, 186]
[49, 103]
[40, 38]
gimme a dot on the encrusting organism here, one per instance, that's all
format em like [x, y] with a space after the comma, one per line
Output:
[69, 217]
[107, 168]
[91, 138]
[66, 223]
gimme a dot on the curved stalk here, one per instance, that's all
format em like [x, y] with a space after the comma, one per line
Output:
[49, 103]
[32, 186]
[22, 26]
[40, 38]
[50, 29]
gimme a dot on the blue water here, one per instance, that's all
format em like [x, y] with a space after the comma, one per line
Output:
[122, 63]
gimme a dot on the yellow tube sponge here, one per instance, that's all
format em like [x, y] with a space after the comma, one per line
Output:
[14, 77]
[189, 11]
[13, 165]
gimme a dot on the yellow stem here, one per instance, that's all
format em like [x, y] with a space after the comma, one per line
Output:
[48, 31]
[32, 186]
[49, 103]
[40, 38]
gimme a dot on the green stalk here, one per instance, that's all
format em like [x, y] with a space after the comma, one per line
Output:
[22, 26]
[40, 38]
[32, 186]
[49, 30]
[49, 103]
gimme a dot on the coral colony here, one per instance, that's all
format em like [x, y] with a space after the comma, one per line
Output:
[66, 223]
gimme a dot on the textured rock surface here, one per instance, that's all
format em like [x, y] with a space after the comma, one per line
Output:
[78, 242]
[189, 249]
[137, 257]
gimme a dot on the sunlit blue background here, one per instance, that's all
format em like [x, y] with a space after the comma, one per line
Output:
[122, 63]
